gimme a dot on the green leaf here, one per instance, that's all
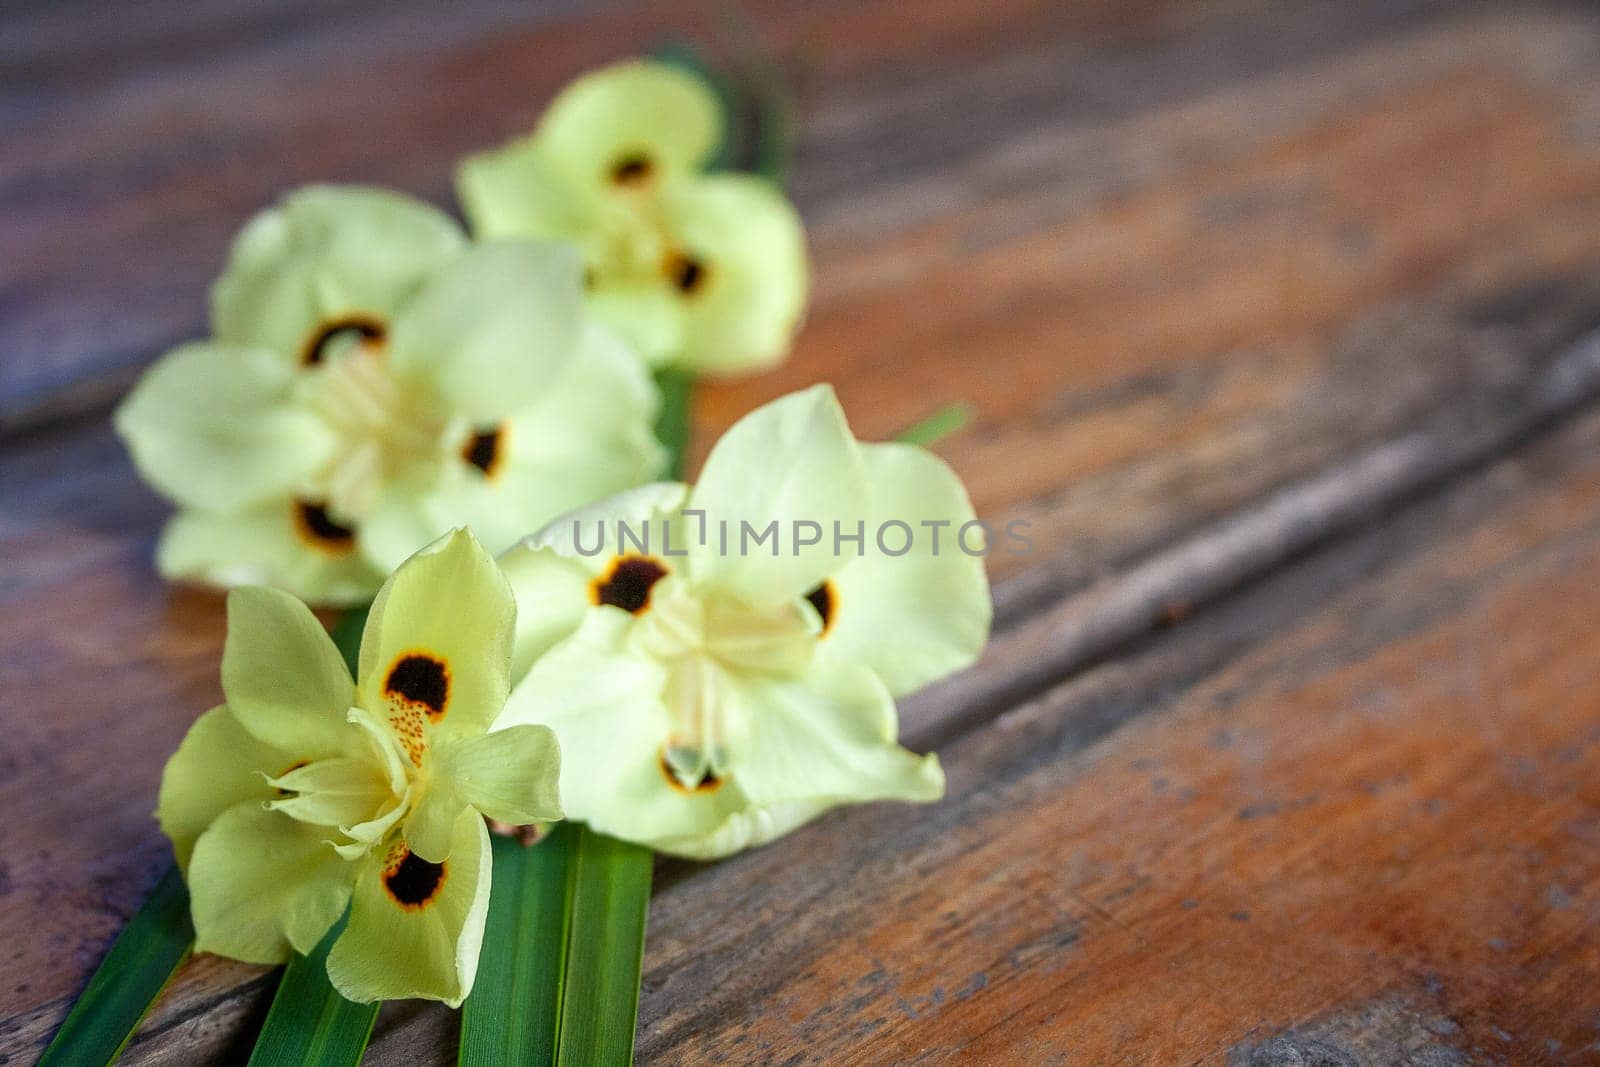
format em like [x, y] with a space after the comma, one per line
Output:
[346, 634]
[138, 967]
[605, 951]
[773, 157]
[310, 1023]
[929, 431]
[672, 425]
[513, 1014]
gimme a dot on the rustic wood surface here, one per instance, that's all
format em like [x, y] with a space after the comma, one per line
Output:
[1280, 322]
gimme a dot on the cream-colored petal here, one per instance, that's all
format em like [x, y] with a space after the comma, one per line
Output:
[751, 276]
[219, 427]
[917, 617]
[825, 738]
[264, 546]
[326, 254]
[488, 333]
[782, 469]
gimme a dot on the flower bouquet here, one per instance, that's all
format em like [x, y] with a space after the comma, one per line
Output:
[556, 658]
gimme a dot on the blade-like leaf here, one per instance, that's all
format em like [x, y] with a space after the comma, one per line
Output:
[514, 1011]
[346, 633]
[309, 1023]
[773, 155]
[141, 961]
[605, 951]
[930, 431]
[672, 425]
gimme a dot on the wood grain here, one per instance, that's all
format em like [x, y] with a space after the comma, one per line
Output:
[1274, 318]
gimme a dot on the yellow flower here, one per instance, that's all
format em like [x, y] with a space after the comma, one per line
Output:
[372, 381]
[711, 691]
[307, 793]
[705, 271]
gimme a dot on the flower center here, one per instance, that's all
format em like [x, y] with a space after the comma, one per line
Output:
[387, 430]
[705, 640]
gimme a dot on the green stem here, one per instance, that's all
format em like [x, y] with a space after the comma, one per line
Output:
[133, 974]
[309, 1023]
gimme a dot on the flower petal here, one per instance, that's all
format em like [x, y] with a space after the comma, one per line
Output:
[635, 123]
[787, 462]
[516, 191]
[605, 709]
[416, 928]
[552, 594]
[219, 764]
[283, 677]
[327, 253]
[650, 315]
[333, 792]
[509, 775]
[917, 617]
[430, 827]
[590, 435]
[824, 738]
[262, 884]
[439, 637]
[217, 426]
[490, 331]
[746, 828]
[263, 546]
[635, 520]
[750, 275]
[407, 518]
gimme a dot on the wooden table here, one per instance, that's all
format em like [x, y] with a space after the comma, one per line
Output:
[1279, 322]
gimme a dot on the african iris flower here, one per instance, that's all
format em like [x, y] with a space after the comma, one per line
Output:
[307, 792]
[372, 380]
[711, 690]
[705, 271]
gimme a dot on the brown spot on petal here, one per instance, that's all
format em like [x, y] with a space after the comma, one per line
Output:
[626, 584]
[633, 169]
[486, 450]
[686, 272]
[317, 529]
[709, 784]
[412, 881]
[421, 679]
[367, 329]
[826, 600]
